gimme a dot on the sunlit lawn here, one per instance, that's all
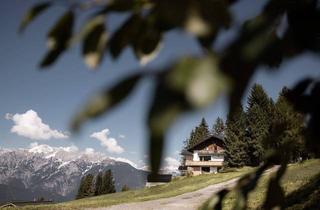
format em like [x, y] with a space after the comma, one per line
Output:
[296, 176]
[176, 187]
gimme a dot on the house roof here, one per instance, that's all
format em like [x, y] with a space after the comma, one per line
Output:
[185, 152]
[214, 138]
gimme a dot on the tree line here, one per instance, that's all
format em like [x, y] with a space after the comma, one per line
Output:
[202, 131]
[102, 183]
[246, 132]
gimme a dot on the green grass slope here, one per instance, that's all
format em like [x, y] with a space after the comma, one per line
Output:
[300, 182]
[176, 187]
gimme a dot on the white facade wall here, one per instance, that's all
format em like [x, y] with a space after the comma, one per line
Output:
[215, 158]
[196, 156]
[213, 170]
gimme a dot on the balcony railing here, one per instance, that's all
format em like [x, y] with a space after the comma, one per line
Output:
[211, 152]
[204, 163]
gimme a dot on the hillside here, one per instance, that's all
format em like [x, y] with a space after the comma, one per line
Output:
[176, 187]
[296, 176]
[292, 180]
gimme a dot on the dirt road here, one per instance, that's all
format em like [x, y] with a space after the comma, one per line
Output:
[187, 201]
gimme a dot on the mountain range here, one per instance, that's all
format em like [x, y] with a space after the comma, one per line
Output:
[55, 173]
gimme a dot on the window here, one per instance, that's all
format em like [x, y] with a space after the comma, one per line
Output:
[205, 158]
[205, 169]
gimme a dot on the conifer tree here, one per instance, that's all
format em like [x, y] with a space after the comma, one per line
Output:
[203, 130]
[81, 189]
[258, 96]
[218, 127]
[292, 136]
[189, 141]
[235, 142]
[98, 184]
[198, 134]
[108, 183]
[258, 120]
[86, 187]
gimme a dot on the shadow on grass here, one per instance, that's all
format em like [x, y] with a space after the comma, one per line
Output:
[306, 197]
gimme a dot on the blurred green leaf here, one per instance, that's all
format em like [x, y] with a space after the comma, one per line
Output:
[189, 84]
[275, 194]
[147, 43]
[50, 57]
[58, 38]
[118, 6]
[95, 42]
[167, 105]
[105, 101]
[125, 35]
[246, 184]
[199, 79]
[170, 13]
[32, 14]
[61, 32]
[206, 17]
[215, 203]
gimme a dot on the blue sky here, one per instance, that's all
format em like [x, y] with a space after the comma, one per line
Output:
[58, 92]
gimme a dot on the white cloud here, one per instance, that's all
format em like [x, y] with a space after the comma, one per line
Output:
[89, 151]
[171, 164]
[122, 136]
[110, 143]
[30, 125]
[143, 165]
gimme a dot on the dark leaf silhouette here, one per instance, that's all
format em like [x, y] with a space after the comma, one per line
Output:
[125, 35]
[94, 43]
[58, 38]
[32, 14]
[105, 101]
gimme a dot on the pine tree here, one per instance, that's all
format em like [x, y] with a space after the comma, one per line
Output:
[203, 131]
[98, 184]
[189, 141]
[292, 137]
[218, 127]
[198, 134]
[235, 139]
[258, 96]
[259, 120]
[86, 187]
[108, 183]
[81, 189]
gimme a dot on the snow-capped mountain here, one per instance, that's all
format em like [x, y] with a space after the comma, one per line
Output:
[55, 172]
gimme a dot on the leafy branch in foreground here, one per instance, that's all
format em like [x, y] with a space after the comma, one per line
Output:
[194, 82]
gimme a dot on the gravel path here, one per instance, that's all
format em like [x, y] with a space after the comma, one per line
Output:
[187, 201]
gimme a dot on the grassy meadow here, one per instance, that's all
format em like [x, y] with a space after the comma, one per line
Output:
[296, 176]
[178, 186]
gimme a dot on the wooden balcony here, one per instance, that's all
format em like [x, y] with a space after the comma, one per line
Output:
[211, 152]
[203, 163]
